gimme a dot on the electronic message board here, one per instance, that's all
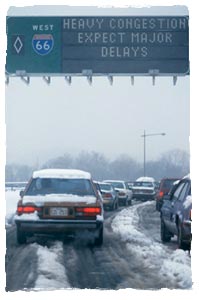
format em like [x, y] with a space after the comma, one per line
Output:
[100, 44]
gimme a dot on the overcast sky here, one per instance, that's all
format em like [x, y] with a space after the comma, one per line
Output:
[46, 121]
[43, 121]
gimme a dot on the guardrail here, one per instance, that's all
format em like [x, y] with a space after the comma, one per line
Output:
[15, 185]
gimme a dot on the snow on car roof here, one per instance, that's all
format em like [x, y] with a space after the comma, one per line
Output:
[107, 181]
[61, 173]
[149, 179]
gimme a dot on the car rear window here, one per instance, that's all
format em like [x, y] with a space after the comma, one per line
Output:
[167, 184]
[143, 184]
[118, 185]
[106, 187]
[43, 186]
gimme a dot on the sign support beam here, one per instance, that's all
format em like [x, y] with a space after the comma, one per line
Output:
[25, 79]
[47, 79]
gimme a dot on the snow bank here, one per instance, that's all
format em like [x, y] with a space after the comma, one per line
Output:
[174, 267]
[12, 198]
[177, 269]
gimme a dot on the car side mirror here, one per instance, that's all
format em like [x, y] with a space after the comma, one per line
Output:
[21, 193]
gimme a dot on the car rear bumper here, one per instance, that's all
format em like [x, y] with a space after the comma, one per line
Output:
[159, 203]
[58, 226]
[108, 203]
[144, 196]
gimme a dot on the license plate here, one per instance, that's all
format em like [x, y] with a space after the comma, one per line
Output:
[58, 211]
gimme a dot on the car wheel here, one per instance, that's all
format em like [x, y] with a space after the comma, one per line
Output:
[165, 234]
[21, 237]
[181, 244]
[99, 239]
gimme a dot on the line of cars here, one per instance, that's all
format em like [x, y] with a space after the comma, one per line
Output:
[175, 213]
[64, 201]
[173, 201]
[121, 193]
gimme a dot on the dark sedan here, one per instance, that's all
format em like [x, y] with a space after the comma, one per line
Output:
[164, 188]
[176, 214]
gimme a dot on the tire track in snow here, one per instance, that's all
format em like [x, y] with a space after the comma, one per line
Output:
[51, 271]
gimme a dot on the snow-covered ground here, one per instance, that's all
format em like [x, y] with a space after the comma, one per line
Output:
[173, 266]
[12, 197]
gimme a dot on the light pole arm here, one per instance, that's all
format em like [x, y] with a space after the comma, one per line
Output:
[144, 136]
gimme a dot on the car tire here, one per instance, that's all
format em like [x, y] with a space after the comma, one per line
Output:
[116, 205]
[21, 237]
[165, 234]
[181, 244]
[157, 206]
[99, 239]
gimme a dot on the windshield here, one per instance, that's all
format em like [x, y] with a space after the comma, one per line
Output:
[118, 185]
[167, 184]
[43, 186]
[143, 184]
[106, 187]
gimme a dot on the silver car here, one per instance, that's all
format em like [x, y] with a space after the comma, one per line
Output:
[109, 195]
[123, 191]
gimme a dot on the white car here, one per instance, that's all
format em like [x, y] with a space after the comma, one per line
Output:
[123, 191]
[59, 201]
[144, 188]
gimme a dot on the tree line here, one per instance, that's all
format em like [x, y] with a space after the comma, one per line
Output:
[174, 163]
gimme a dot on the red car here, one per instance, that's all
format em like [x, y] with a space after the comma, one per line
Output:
[164, 188]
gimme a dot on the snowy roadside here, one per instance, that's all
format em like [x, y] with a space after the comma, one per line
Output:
[173, 267]
[50, 269]
[12, 198]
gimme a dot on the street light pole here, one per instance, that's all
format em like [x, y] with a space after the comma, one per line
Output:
[144, 153]
[144, 136]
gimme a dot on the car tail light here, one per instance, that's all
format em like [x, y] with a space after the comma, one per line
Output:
[121, 194]
[161, 194]
[107, 195]
[27, 209]
[88, 211]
